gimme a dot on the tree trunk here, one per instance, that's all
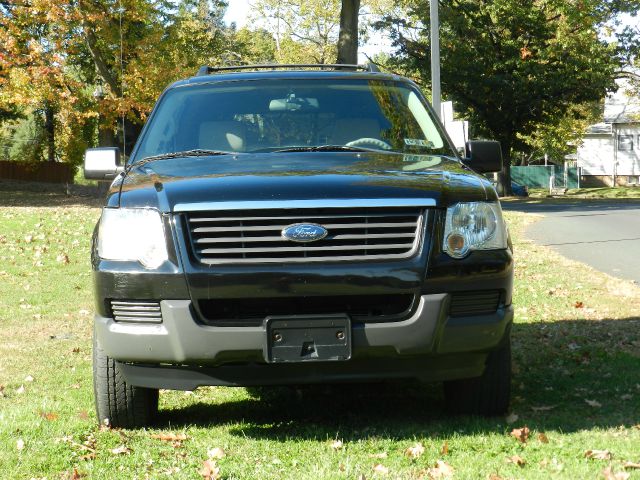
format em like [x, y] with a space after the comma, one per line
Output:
[348, 37]
[49, 128]
[504, 176]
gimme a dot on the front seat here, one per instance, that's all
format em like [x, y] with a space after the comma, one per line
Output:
[227, 135]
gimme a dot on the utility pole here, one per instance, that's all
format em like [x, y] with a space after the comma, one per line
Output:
[435, 56]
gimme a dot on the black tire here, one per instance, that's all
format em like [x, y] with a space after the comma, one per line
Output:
[119, 404]
[487, 395]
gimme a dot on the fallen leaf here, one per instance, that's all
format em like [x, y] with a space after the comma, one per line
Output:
[50, 416]
[598, 454]
[19, 444]
[543, 438]
[578, 305]
[441, 470]
[362, 477]
[543, 408]
[337, 445]
[216, 453]
[379, 468]
[631, 465]
[415, 451]
[626, 396]
[63, 258]
[210, 470]
[28, 378]
[20, 390]
[521, 434]
[445, 448]
[494, 476]
[121, 450]
[379, 455]
[517, 460]
[512, 418]
[593, 403]
[28, 238]
[609, 474]
[170, 437]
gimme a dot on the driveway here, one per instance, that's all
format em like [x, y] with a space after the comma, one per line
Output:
[605, 235]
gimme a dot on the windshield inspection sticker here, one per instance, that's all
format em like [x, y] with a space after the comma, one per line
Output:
[416, 142]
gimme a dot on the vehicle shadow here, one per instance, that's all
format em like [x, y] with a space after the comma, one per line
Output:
[568, 376]
[42, 195]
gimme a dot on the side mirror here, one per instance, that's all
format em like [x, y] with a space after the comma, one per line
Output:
[483, 156]
[102, 163]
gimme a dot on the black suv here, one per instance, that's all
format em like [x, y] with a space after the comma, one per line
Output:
[298, 224]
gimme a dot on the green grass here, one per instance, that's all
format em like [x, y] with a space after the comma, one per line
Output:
[576, 338]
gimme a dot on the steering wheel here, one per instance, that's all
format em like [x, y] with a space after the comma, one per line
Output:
[363, 142]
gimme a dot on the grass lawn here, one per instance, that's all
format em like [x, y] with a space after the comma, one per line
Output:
[576, 385]
[608, 193]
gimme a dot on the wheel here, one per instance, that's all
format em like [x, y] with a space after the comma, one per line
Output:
[363, 142]
[117, 402]
[486, 395]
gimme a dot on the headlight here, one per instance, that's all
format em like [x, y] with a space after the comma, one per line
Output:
[474, 226]
[133, 234]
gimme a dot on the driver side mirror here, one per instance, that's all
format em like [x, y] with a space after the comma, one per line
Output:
[483, 156]
[102, 163]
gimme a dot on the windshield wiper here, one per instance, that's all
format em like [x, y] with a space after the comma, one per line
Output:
[186, 153]
[325, 148]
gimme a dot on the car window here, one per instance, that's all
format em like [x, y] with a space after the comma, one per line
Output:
[273, 114]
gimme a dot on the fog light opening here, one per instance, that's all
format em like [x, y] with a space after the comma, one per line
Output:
[456, 245]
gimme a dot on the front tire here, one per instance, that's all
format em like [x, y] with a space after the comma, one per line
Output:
[488, 394]
[119, 404]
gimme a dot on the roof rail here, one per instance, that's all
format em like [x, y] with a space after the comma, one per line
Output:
[370, 67]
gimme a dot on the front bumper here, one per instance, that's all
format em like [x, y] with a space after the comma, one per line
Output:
[457, 345]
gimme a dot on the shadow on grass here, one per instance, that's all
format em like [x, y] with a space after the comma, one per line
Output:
[577, 205]
[558, 366]
[31, 194]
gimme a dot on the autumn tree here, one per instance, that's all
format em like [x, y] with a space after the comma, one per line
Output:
[510, 65]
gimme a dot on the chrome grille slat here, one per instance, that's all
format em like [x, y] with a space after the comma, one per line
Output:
[136, 311]
[374, 233]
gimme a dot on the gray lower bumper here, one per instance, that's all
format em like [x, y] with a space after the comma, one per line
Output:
[180, 340]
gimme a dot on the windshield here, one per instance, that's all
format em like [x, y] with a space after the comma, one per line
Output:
[279, 115]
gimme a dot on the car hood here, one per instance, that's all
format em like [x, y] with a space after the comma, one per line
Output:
[171, 184]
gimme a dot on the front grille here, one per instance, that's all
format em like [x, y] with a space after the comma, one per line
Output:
[136, 311]
[480, 302]
[353, 234]
[253, 311]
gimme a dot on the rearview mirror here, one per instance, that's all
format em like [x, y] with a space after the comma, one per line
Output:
[102, 163]
[483, 156]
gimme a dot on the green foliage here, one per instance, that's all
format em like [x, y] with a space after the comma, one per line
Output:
[27, 141]
[512, 66]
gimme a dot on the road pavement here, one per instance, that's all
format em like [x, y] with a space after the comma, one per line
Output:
[602, 234]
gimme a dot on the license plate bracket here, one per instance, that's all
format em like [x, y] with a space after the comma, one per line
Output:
[313, 338]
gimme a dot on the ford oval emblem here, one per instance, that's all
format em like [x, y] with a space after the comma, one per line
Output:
[304, 232]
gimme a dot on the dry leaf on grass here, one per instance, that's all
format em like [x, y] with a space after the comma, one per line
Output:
[50, 416]
[379, 468]
[598, 454]
[445, 448]
[521, 434]
[543, 408]
[415, 451]
[517, 460]
[578, 305]
[494, 476]
[337, 445]
[631, 465]
[210, 470]
[169, 437]
[543, 438]
[20, 390]
[441, 470]
[121, 450]
[19, 444]
[216, 453]
[593, 403]
[379, 455]
[609, 474]
[28, 378]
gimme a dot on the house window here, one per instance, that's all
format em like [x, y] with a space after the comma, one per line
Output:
[625, 143]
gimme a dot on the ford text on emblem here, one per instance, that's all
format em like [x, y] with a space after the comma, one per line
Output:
[304, 232]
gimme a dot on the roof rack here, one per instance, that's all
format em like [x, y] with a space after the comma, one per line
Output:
[370, 67]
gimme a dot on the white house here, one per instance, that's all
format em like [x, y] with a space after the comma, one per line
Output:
[610, 152]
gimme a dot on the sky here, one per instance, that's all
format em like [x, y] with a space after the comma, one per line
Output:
[238, 11]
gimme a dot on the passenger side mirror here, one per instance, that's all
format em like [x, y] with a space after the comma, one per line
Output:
[483, 156]
[102, 163]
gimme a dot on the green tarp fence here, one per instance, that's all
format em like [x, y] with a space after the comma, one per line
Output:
[537, 176]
